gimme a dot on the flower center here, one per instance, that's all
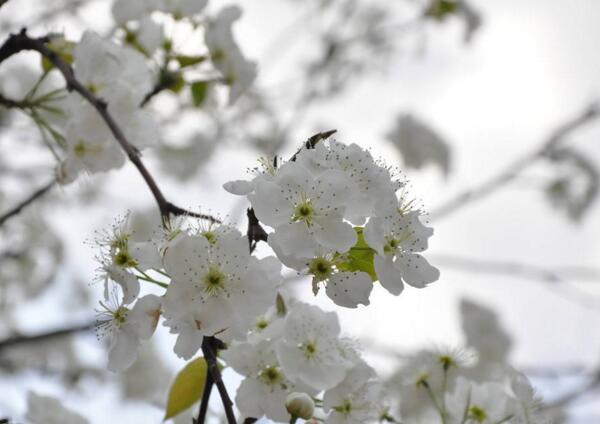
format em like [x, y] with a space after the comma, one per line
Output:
[304, 211]
[310, 349]
[478, 414]
[345, 408]
[392, 245]
[79, 149]
[123, 259]
[214, 281]
[120, 315]
[320, 268]
[271, 375]
[209, 236]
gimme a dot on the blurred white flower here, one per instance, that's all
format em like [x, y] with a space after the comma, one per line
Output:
[419, 145]
[311, 351]
[237, 71]
[49, 410]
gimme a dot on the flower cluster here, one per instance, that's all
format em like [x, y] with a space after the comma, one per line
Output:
[318, 205]
[434, 384]
[302, 352]
[121, 73]
[213, 287]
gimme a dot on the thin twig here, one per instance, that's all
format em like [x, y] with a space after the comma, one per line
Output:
[208, 385]
[519, 269]
[565, 400]
[514, 169]
[35, 195]
[42, 337]
[21, 41]
[209, 346]
[516, 269]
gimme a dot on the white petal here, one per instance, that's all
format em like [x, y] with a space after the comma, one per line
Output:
[248, 398]
[146, 255]
[128, 282]
[349, 289]
[145, 314]
[294, 262]
[270, 204]
[186, 257]
[188, 342]
[374, 234]
[239, 187]
[334, 233]
[295, 240]
[416, 271]
[123, 350]
[389, 276]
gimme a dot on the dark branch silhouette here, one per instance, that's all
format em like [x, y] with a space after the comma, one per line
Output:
[34, 196]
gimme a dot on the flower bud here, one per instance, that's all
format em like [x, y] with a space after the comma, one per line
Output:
[300, 405]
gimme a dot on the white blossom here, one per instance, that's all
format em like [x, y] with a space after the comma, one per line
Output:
[419, 144]
[127, 328]
[216, 287]
[355, 399]
[311, 351]
[397, 238]
[266, 386]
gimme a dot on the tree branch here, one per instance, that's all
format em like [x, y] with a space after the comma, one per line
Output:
[35, 195]
[555, 278]
[209, 348]
[565, 400]
[42, 337]
[514, 169]
[208, 385]
[21, 41]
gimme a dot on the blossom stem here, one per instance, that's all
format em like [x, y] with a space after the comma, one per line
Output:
[153, 281]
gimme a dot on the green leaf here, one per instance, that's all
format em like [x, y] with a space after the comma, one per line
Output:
[359, 257]
[185, 61]
[440, 9]
[187, 387]
[199, 90]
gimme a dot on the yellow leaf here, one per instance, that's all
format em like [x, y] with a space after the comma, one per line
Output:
[187, 387]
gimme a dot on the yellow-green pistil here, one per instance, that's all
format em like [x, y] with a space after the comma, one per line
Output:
[123, 259]
[321, 268]
[478, 414]
[309, 348]
[271, 375]
[120, 315]
[345, 408]
[214, 281]
[304, 211]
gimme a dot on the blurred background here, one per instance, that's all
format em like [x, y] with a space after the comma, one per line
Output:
[488, 109]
